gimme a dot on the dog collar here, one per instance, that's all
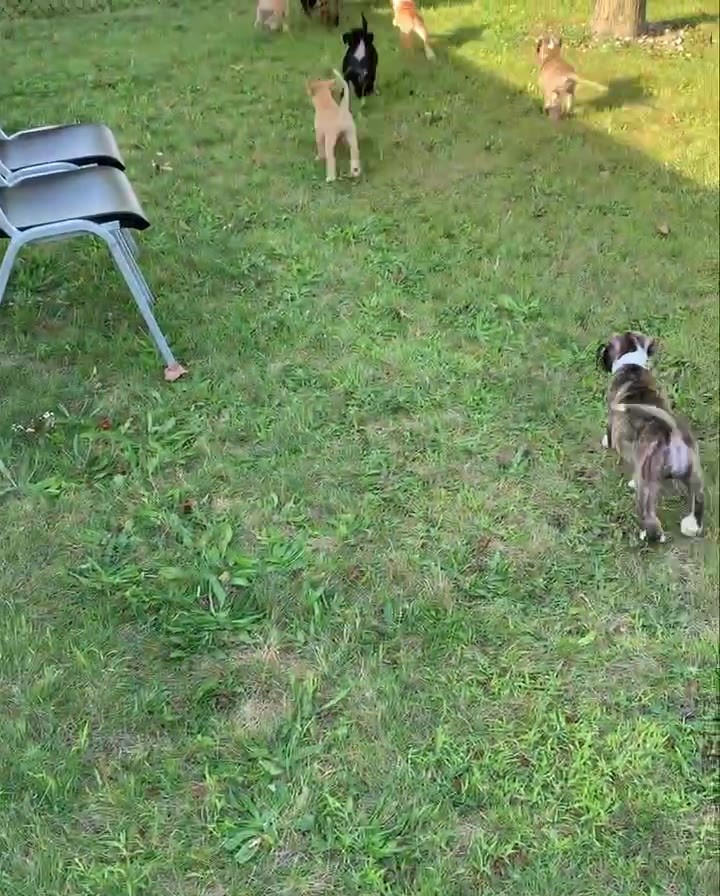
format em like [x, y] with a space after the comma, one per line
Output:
[639, 358]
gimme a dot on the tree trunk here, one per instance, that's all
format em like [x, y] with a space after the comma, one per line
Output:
[619, 18]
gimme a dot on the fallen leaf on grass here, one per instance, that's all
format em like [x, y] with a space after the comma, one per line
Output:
[174, 372]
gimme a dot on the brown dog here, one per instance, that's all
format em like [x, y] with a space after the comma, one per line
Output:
[333, 121]
[645, 432]
[557, 78]
[271, 14]
[408, 20]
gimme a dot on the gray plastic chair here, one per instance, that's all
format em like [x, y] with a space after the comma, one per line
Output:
[97, 200]
[57, 148]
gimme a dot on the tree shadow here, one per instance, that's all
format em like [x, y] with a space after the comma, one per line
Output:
[702, 18]
[622, 92]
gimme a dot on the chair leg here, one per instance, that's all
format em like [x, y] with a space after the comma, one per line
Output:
[7, 266]
[131, 242]
[131, 254]
[143, 299]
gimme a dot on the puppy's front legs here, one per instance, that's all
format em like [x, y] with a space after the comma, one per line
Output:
[320, 143]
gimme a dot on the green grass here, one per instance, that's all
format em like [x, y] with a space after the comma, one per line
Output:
[357, 607]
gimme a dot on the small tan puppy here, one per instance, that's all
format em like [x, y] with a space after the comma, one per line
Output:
[557, 78]
[271, 14]
[409, 21]
[333, 121]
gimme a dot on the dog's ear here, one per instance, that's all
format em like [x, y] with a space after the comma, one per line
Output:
[346, 38]
[645, 342]
[369, 37]
[607, 353]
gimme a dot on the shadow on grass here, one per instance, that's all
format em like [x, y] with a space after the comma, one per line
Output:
[694, 21]
[460, 36]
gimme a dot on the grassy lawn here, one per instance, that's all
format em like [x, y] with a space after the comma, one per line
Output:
[358, 606]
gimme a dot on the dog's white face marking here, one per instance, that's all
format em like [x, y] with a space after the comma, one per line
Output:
[359, 53]
[689, 526]
[605, 443]
[638, 357]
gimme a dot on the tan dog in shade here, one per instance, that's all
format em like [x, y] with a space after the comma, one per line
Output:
[409, 21]
[271, 14]
[333, 121]
[557, 79]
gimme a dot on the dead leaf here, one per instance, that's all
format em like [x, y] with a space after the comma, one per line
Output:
[663, 229]
[105, 423]
[174, 372]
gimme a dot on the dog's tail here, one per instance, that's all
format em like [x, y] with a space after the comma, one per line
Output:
[345, 101]
[649, 410]
[578, 79]
[364, 23]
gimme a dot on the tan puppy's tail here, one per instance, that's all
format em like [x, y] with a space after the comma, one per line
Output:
[345, 101]
[587, 82]
[650, 410]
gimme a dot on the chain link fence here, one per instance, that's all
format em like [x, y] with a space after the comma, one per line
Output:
[45, 9]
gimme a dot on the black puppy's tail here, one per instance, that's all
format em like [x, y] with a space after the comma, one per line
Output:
[364, 23]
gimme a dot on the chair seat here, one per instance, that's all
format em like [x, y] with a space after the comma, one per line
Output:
[81, 144]
[101, 195]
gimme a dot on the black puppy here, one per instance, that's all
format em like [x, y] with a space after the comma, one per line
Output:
[359, 65]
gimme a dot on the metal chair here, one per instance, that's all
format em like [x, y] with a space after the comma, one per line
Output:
[57, 148]
[96, 200]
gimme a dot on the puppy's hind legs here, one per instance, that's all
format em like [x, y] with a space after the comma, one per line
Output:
[421, 32]
[352, 142]
[329, 149]
[691, 525]
[647, 495]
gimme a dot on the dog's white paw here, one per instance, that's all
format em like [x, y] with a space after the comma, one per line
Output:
[604, 442]
[631, 484]
[330, 179]
[355, 171]
[662, 538]
[689, 526]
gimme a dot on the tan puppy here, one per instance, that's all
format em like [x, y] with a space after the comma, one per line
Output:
[557, 78]
[271, 14]
[333, 121]
[408, 20]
